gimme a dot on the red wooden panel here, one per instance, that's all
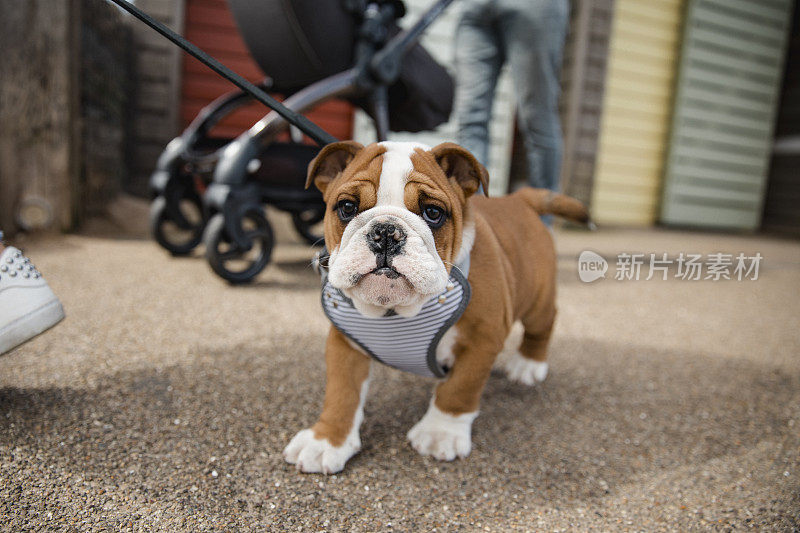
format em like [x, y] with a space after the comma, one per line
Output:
[210, 25]
[216, 40]
[238, 63]
[213, 16]
[211, 3]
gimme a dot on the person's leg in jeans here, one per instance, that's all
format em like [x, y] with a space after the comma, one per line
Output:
[479, 58]
[534, 32]
[27, 305]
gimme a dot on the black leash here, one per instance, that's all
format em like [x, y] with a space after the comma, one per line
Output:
[319, 135]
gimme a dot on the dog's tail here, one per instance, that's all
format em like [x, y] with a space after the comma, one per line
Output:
[547, 202]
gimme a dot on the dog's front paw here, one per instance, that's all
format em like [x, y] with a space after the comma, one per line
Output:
[443, 436]
[311, 454]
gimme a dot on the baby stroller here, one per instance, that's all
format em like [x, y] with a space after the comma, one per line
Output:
[214, 190]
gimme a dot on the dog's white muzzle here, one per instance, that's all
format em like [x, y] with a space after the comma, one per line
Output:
[354, 263]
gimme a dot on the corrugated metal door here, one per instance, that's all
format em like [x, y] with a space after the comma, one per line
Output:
[210, 25]
[727, 90]
[636, 111]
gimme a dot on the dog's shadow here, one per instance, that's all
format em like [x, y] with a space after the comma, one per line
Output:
[596, 418]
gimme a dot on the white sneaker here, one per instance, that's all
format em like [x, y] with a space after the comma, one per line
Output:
[27, 305]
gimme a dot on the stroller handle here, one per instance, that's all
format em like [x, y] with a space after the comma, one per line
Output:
[385, 66]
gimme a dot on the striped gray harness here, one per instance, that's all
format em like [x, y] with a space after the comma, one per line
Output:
[405, 343]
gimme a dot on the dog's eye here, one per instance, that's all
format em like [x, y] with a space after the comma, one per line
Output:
[433, 215]
[347, 209]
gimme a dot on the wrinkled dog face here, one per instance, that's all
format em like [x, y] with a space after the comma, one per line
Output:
[395, 218]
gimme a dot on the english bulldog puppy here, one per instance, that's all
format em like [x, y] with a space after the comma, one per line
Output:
[400, 218]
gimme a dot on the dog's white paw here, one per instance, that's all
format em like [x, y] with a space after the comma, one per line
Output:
[524, 370]
[443, 436]
[311, 454]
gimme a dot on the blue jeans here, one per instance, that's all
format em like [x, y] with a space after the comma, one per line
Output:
[529, 34]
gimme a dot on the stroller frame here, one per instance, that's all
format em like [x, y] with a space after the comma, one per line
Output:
[222, 181]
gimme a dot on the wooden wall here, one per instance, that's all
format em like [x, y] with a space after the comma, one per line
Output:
[637, 109]
[105, 93]
[156, 98]
[39, 106]
[64, 89]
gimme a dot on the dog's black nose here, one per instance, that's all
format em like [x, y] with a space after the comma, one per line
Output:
[385, 240]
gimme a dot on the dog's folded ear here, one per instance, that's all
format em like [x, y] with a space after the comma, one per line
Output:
[330, 162]
[459, 164]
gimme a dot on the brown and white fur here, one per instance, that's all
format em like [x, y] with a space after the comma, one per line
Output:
[512, 275]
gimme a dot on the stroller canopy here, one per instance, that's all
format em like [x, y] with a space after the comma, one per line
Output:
[299, 42]
[296, 42]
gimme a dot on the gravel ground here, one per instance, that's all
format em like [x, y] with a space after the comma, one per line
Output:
[164, 400]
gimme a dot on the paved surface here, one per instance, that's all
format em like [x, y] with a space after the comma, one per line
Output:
[164, 400]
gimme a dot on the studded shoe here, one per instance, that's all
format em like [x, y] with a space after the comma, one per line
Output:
[27, 305]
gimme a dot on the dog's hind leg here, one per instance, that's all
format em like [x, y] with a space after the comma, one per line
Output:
[528, 365]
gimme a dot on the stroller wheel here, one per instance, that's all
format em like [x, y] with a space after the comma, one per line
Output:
[178, 237]
[227, 258]
[304, 222]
